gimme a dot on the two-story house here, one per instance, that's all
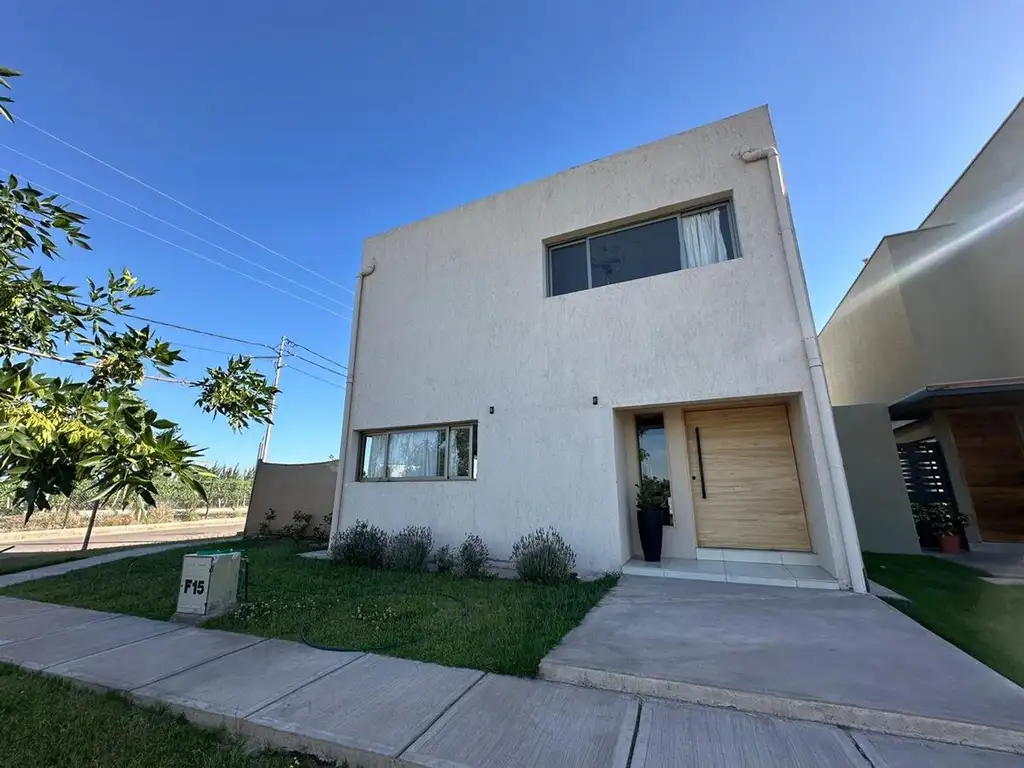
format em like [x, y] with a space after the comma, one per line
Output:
[522, 361]
[933, 328]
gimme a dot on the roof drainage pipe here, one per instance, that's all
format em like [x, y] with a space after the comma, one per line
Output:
[339, 483]
[840, 492]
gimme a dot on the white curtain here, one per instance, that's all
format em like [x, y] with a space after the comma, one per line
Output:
[374, 458]
[416, 454]
[702, 239]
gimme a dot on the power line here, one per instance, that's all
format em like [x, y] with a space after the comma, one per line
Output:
[318, 378]
[314, 352]
[186, 206]
[186, 250]
[171, 225]
[57, 358]
[220, 351]
[199, 331]
[318, 365]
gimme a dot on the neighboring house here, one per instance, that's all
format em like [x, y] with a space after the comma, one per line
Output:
[933, 327]
[512, 360]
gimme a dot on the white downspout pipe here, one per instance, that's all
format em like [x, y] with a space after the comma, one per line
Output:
[339, 483]
[838, 488]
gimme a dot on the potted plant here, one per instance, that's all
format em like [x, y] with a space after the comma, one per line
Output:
[651, 502]
[944, 522]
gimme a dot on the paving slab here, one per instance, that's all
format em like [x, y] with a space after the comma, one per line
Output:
[144, 662]
[240, 683]
[85, 640]
[40, 623]
[829, 656]
[367, 712]
[687, 736]
[12, 607]
[506, 721]
[896, 752]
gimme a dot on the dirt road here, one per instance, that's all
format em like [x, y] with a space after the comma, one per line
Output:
[121, 536]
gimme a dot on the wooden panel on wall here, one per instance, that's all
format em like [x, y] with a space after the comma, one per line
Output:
[752, 489]
[988, 444]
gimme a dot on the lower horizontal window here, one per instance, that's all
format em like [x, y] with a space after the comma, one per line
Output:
[429, 453]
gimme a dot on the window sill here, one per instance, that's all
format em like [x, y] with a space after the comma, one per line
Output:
[416, 480]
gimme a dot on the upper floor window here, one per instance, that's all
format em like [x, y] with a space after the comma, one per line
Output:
[691, 239]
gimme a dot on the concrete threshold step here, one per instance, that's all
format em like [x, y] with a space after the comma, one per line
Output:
[793, 708]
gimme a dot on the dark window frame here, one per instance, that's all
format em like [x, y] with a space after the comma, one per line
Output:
[387, 433]
[733, 243]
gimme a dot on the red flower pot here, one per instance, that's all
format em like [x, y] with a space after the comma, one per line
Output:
[949, 545]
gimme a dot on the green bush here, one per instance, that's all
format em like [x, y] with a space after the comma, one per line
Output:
[445, 560]
[472, 559]
[360, 544]
[543, 557]
[408, 549]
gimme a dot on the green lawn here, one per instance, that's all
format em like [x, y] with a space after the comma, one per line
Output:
[490, 624]
[47, 722]
[986, 620]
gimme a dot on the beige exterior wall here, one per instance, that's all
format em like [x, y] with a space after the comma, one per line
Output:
[952, 289]
[991, 182]
[867, 346]
[943, 303]
[877, 492]
[290, 487]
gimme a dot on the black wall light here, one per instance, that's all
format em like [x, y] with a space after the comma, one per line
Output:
[595, 399]
[492, 409]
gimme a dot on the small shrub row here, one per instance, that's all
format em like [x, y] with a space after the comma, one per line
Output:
[542, 557]
[369, 546]
[469, 560]
[361, 544]
[298, 529]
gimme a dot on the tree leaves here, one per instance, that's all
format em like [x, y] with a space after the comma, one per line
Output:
[4, 74]
[94, 432]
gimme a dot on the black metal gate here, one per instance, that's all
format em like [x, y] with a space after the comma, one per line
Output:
[927, 480]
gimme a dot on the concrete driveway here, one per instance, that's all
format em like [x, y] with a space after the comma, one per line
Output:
[830, 657]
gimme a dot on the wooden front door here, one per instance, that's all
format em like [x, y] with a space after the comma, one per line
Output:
[746, 491]
[992, 459]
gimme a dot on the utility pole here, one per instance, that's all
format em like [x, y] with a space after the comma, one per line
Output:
[265, 443]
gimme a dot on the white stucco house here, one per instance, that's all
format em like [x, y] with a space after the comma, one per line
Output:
[521, 361]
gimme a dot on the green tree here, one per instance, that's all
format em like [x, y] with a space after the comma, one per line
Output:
[93, 432]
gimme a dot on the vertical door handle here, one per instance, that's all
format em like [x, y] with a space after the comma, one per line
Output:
[700, 465]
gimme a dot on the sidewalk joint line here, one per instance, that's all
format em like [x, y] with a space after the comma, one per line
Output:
[4, 643]
[304, 685]
[105, 650]
[201, 663]
[445, 711]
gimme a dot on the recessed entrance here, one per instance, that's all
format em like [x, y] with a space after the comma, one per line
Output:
[746, 490]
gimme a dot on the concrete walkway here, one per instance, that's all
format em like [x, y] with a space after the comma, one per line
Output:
[60, 569]
[379, 711]
[831, 657]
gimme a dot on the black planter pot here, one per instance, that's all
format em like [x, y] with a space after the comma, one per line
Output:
[650, 520]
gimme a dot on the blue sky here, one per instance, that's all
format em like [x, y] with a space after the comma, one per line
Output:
[309, 126]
